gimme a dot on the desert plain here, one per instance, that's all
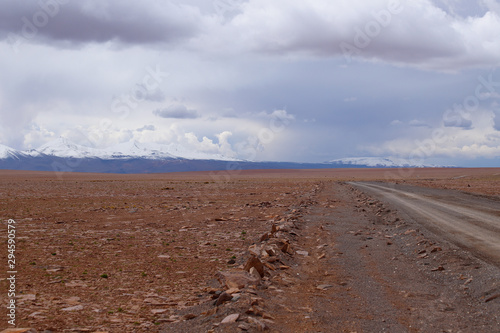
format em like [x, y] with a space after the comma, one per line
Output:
[241, 251]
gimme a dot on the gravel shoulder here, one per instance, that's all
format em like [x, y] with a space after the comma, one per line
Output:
[387, 274]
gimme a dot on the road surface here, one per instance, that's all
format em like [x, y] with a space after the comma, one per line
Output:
[469, 221]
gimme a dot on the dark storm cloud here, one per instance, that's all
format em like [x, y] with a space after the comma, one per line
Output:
[130, 22]
[402, 32]
[177, 112]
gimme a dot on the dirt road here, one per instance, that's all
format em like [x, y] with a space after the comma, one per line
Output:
[469, 221]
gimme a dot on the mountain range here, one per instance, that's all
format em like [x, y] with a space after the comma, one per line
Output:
[61, 155]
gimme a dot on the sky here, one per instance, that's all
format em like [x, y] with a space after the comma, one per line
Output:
[281, 80]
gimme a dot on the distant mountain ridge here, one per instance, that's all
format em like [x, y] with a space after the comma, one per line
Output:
[61, 155]
[382, 162]
[133, 149]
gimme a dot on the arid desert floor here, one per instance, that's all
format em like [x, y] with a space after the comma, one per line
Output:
[276, 250]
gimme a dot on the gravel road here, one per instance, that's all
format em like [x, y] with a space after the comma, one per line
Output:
[469, 221]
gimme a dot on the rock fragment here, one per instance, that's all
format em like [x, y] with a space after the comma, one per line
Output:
[489, 299]
[261, 326]
[255, 263]
[232, 318]
[237, 279]
[255, 273]
[189, 316]
[73, 308]
[223, 298]
[244, 327]
[438, 269]
[324, 286]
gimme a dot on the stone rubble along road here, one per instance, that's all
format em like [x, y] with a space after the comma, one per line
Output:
[364, 272]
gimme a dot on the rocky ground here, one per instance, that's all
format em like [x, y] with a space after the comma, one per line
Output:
[279, 251]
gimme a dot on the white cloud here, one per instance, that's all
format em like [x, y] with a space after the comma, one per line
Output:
[492, 5]
[224, 146]
[214, 137]
[482, 140]
[414, 33]
[206, 145]
[36, 135]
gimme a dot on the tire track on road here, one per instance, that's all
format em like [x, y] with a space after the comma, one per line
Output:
[467, 227]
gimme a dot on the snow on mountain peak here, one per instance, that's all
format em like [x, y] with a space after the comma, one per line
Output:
[6, 152]
[62, 147]
[381, 162]
[137, 149]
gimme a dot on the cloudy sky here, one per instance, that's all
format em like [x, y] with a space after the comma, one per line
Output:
[287, 80]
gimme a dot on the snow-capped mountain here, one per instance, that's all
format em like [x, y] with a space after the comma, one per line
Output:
[133, 149]
[62, 156]
[136, 150]
[7, 152]
[64, 148]
[380, 162]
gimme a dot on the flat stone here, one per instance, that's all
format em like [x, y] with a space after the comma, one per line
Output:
[254, 249]
[190, 316]
[244, 327]
[76, 283]
[233, 291]
[236, 279]
[261, 326]
[37, 314]
[232, 318]
[324, 286]
[302, 253]
[72, 300]
[270, 251]
[267, 316]
[26, 297]
[73, 308]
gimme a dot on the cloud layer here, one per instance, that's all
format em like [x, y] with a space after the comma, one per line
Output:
[276, 80]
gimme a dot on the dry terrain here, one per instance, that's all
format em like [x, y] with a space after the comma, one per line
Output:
[277, 250]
